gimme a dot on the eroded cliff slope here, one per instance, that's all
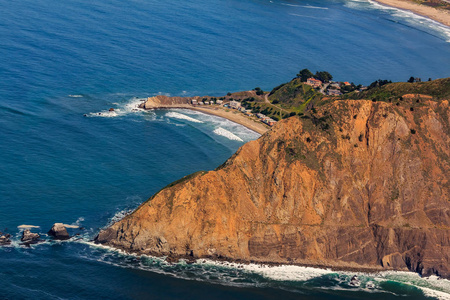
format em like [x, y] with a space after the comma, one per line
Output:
[357, 184]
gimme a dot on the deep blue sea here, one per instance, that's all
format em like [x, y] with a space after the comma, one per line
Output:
[61, 60]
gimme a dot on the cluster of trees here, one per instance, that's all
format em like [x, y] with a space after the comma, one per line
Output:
[259, 91]
[378, 83]
[416, 79]
[323, 76]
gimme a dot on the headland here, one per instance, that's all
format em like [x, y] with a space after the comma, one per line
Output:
[357, 181]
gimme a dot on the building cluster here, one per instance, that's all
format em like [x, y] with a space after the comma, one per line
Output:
[334, 88]
[265, 119]
[237, 106]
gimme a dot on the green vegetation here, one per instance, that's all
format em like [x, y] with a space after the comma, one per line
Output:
[438, 89]
[294, 96]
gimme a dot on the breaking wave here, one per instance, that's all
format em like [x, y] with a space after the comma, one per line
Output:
[304, 6]
[131, 107]
[227, 134]
[294, 278]
[177, 115]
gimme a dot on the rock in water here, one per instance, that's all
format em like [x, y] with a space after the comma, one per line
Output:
[5, 239]
[29, 237]
[59, 232]
[355, 281]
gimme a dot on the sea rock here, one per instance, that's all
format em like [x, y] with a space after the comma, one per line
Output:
[111, 109]
[5, 239]
[350, 186]
[59, 232]
[29, 237]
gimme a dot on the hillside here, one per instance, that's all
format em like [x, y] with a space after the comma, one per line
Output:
[357, 184]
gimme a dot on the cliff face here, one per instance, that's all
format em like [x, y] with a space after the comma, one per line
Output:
[365, 187]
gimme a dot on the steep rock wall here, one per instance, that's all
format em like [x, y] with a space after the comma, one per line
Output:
[359, 184]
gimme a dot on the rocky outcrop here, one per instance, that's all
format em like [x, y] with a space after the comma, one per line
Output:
[358, 184]
[59, 232]
[5, 239]
[29, 237]
[162, 101]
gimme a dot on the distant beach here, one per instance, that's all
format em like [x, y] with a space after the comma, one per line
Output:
[439, 15]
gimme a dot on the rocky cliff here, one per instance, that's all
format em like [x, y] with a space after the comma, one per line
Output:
[356, 184]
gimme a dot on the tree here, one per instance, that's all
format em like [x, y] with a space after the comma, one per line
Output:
[378, 83]
[323, 76]
[411, 79]
[304, 75]
[259, 91]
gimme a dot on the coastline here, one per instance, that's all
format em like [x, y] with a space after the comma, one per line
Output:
[235, 117]
[162, 102]
[438, 15]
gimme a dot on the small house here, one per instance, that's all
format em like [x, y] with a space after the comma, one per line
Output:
[314, 82]
[235, 104]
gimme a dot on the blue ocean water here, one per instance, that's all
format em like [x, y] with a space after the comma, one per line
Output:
[62, 60]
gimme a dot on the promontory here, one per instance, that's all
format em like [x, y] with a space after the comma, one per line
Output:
[356, 181]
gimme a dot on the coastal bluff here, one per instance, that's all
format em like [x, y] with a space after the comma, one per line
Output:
[355, 184]
[162, 101]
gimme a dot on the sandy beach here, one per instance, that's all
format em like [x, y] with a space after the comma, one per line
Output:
[440, 15]
[164, 102]
[234, 116]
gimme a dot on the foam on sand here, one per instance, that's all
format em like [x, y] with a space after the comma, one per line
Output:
[227, 134]
[176, 115]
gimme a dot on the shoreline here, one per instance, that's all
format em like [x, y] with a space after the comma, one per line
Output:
[435, 14]
[175, 258]
[231, 115]
[235, 117]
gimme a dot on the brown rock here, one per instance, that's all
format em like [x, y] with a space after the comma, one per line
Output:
[363, 192]
[29, 237]
[59, 232]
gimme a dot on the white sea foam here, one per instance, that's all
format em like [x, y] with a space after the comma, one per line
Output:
[78, 221]
[432, 286]
[180, 116]
[215, 121]
[131, 107]
[227, 134]
[237, 274]
[278, 273]
[76, 96]
[304, 6]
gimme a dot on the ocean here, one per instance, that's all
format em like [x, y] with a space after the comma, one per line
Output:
[63, 63]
